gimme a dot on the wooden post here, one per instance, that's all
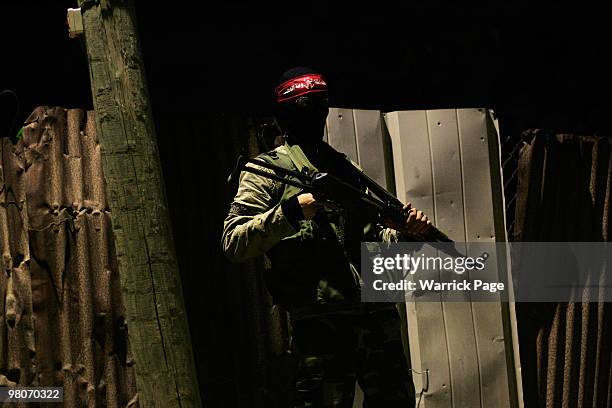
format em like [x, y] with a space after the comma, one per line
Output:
[152, 292]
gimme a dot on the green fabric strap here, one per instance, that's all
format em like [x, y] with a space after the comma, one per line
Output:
[298, 158]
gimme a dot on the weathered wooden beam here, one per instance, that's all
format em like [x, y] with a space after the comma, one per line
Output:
[152, 292]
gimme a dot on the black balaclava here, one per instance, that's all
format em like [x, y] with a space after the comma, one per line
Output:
[302, 105]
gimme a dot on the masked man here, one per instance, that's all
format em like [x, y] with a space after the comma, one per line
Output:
[314, 249]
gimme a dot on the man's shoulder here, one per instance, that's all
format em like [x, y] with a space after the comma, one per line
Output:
[278, 156]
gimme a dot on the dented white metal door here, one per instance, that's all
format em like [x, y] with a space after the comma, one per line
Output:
[445, 162]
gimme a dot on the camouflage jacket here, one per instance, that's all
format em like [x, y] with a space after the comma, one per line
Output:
[315, 263]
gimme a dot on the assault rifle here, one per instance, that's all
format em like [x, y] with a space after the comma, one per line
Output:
[380, 206]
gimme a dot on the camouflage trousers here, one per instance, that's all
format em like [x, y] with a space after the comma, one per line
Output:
[333, 351]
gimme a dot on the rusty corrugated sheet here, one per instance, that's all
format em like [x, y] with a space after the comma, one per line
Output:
[564, 194]
[17, 348]
[60, 282]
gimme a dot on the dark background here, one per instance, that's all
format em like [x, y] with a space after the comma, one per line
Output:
[211, 69]
[536, 61]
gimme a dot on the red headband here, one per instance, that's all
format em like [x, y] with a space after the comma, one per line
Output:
[299, 86]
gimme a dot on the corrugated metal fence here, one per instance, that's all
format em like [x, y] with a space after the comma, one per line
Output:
[63, 323]
[564, 185]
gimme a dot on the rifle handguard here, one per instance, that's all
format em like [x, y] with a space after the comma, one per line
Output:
[398, 215]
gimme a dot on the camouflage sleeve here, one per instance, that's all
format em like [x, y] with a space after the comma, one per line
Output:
[255, 221]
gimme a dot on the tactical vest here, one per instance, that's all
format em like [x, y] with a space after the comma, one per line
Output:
[314, 270]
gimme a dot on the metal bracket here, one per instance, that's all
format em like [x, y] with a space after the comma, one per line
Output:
[425, 387]
[75, 22]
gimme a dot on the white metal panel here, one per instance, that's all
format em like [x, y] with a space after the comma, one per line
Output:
[412, 159]
[370, 144]
[341, 132]
[359, 134]
[493, 322]
[449, 207]
[444, 142]
[415, 183]
[442, 164]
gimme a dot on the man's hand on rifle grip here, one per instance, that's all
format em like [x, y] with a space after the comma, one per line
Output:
[415, 225]
[416, 221]
[309, 205]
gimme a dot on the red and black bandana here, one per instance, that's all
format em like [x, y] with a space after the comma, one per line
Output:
[298, 86]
